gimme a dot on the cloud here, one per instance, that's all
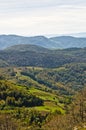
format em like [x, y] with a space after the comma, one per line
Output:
[22, 4]
[32, 17]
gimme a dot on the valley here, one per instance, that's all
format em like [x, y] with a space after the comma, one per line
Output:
[42, 88]
[52, 89]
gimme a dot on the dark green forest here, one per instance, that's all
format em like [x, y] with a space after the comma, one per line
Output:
[40, 58]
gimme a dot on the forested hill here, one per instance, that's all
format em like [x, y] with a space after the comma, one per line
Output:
[50, 43]
[29, 55]
[26, 47]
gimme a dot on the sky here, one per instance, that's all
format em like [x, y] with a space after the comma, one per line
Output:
[42, 17]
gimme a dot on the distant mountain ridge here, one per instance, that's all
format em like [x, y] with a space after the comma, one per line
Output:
[60, 42]
[81, 34]
[69, 41]
[11, 40]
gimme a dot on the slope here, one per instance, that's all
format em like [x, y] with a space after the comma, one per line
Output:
[38, 56]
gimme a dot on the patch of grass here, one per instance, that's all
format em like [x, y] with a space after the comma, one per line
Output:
[51, 101]
[44, 95]
[51, 109]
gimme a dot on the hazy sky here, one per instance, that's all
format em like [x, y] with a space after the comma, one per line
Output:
[40, 17]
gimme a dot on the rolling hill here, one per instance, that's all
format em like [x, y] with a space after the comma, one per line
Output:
[27, 47]
[30, 55]
[60, 42]
[69, 41]
[10, 40]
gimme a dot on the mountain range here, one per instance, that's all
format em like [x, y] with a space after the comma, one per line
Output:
[60, 42]
[42, 82]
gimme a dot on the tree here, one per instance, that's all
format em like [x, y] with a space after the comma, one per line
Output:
[79, 107]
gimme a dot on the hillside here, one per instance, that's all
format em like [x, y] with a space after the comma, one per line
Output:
[28, 55]
[50, 43]
[27, 47]
[35, 98]
[65, 80]
[40, 86]
[16, 96]
[52, 88]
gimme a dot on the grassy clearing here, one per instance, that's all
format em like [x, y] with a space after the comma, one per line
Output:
[44, 95]
[51, 101]
[51, 109]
